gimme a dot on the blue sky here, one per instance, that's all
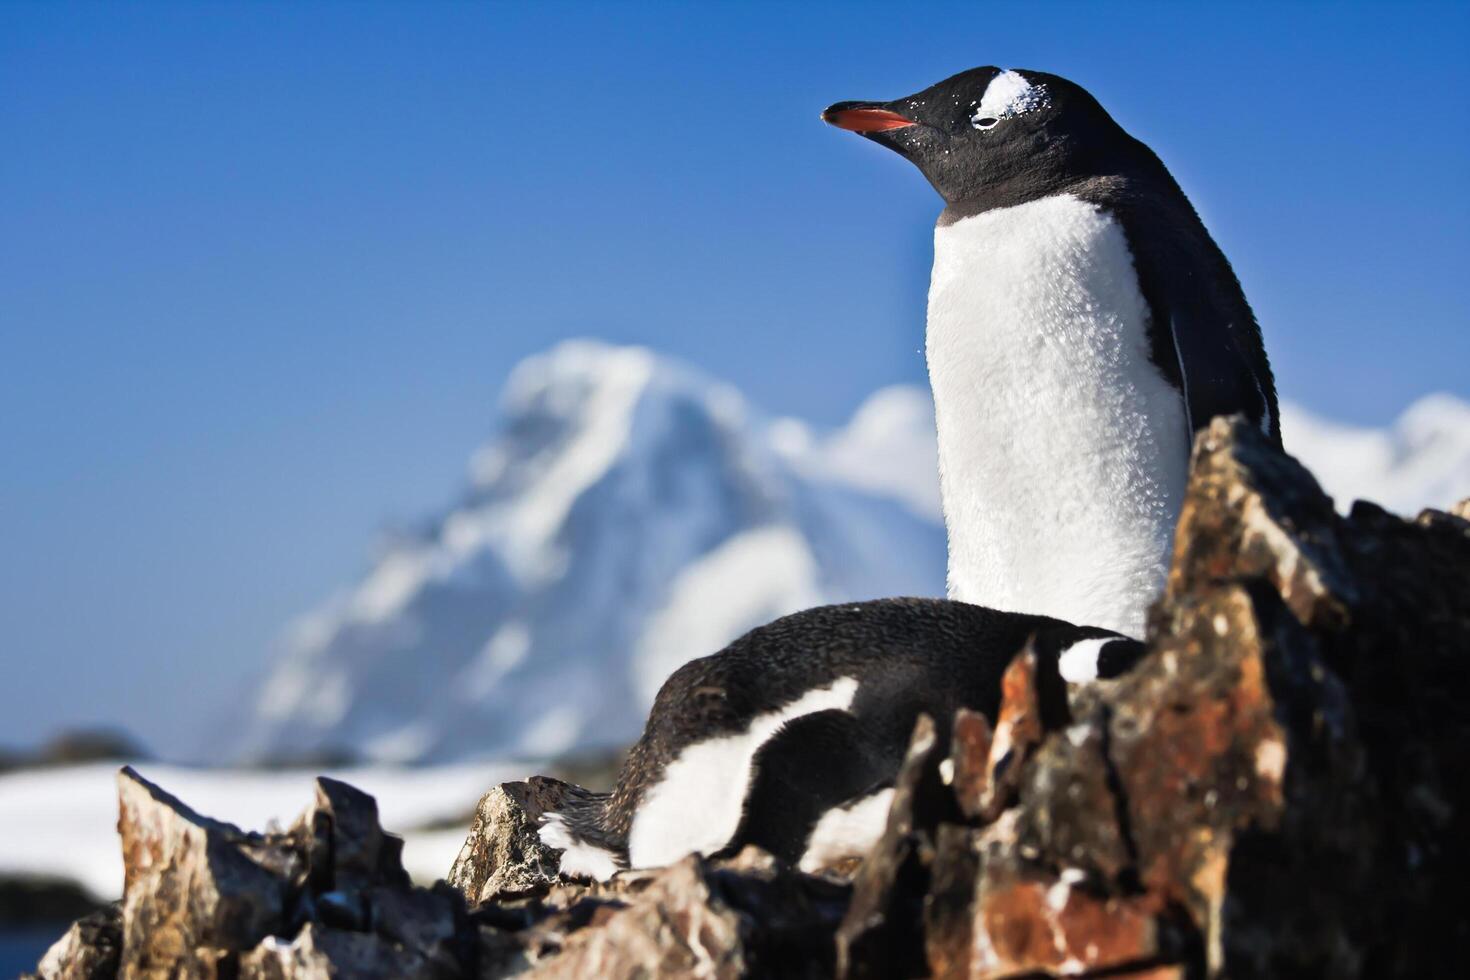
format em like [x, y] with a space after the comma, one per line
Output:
[264, 267]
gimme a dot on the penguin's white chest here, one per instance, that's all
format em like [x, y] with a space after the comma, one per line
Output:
[1062, 449]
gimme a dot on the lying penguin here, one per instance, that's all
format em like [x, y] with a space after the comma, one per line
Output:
[1082, 326]
[790, 737]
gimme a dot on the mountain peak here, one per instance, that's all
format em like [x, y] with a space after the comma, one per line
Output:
[630, 513]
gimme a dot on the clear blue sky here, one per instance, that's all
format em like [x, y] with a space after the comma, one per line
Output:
[263, 267]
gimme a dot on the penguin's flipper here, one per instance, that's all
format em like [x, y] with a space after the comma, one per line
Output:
[1215, 377]
[1205, 337]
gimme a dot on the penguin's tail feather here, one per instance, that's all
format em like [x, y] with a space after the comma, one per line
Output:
[579, 829]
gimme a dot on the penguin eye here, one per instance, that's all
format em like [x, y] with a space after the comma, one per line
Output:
[985, 122]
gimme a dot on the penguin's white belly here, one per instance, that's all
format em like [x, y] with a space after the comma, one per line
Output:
[1062, 449]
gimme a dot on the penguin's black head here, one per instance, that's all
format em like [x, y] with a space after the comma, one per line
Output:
[991, 127]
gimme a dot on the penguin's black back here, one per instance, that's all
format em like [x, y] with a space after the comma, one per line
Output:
[907, 655]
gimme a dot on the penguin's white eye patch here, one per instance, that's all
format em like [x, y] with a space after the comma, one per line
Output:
[1008, 94]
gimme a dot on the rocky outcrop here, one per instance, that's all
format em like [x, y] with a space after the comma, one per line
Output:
[205, 899]
[1279, 788]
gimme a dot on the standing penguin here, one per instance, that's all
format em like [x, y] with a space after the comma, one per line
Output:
[1082, 326]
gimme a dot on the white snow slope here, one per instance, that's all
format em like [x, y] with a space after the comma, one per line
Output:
[631, 514]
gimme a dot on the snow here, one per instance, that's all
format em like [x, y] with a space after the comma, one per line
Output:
[1421, 460]
[1008, 94]
[750, 579]
[392, 584]
[503, 652]
[620, 377]
[64, 821]
[888, 449]
[403, 744]
[554, 732]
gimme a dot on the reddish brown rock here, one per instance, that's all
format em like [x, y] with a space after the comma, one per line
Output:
[1376, 768]
[1029, 925]
[1034, 703]
[1262, 795]
[1082, 826]
[1254, 513]
[969, 761]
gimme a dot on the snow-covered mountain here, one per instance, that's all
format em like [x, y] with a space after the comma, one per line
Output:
[632, 513]
[629, 515]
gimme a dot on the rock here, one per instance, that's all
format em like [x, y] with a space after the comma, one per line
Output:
[969, 762]
[347, 848]
[1253, 513]
[203, 898]
[1269, 792]
[499, 953]
[428, 922]
[1033, 701]
[678, 928]
[321, 953]
[793, 915]
[503, 855]
[880, 934]
[90, 950]
[1376, 782]
[1029, 922]
[196, 891]
[1076, 775]
[948, 920]
[747, 917]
